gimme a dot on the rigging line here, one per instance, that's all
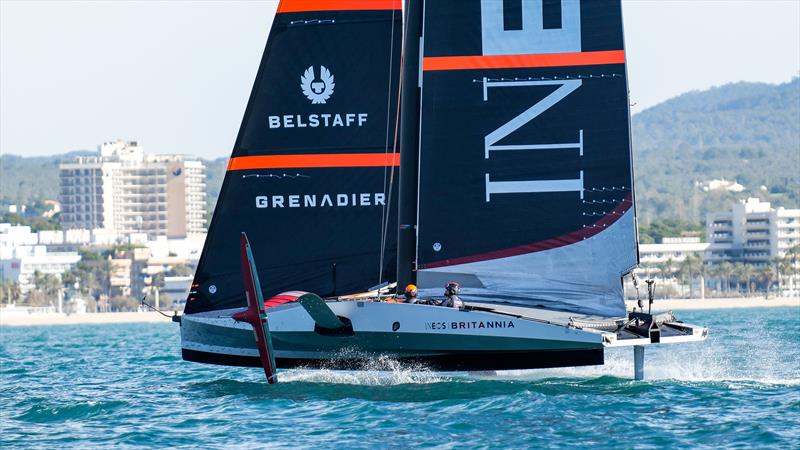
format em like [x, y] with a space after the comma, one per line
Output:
[384, 212]
[387, 207]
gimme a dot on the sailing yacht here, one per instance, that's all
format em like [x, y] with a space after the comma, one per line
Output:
[484, 142]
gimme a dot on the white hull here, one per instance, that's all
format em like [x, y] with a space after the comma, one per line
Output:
[485, 337]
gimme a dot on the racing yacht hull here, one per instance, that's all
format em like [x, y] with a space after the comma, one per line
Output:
[433, 337]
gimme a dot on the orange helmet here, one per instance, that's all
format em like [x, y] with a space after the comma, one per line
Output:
[411, 291]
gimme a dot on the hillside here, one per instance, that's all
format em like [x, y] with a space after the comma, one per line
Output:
[26, 179]
[748, 132]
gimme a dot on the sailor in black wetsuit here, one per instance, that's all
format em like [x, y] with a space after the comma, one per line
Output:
[451, 296]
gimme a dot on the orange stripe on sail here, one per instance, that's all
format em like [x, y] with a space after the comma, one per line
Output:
[520, 61]
[314, 161]
[289, 6]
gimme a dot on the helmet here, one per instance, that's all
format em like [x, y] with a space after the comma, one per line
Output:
[411, 291]
[451, 288]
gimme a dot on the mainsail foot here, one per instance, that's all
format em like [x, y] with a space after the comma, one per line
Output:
[254, 314]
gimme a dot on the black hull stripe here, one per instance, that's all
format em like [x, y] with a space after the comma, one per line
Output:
[445, 362]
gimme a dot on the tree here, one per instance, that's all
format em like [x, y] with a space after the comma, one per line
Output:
[9, 292]
[767, 275]
[667, 269]
[786, 266]
[725, 269]
[46, 288]
[179, 270]
[123, 303]
[92, 274]
[744, 274]
[687, 269]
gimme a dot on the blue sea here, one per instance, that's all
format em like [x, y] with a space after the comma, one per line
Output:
[94, 386]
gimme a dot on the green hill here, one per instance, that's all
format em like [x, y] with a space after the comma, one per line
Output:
[27, 179]
[748, 132]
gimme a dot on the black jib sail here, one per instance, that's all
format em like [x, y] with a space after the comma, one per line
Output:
[525, 184]
[308, 179]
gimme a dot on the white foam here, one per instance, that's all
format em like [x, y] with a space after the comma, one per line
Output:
[382, 371]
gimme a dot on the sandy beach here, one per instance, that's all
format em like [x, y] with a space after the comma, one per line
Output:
[720, 303]
[134, 317]
[73, 319]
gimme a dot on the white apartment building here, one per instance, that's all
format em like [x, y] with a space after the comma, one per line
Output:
[123, 190]
[672, 248]
[752, 232]
[21, 257]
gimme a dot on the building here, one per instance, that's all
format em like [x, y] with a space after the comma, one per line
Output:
[21, 255]
[123, 191]
[721, 185]
[752, 232]
[673, 249]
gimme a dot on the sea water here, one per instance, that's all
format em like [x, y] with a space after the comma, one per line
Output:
[93, 386]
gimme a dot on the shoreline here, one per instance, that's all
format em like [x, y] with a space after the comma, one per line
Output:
[686, 304]
[25, 319]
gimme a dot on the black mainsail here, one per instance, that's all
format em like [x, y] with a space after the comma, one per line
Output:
[308, 178]
[525, 183]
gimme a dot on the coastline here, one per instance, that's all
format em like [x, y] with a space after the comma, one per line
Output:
[76, 319]
[719, 303]
[23, 319]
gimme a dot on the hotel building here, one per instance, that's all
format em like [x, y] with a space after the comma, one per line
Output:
[752, 232]
[123, 190]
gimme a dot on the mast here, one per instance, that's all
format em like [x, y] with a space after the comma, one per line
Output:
[409, 145]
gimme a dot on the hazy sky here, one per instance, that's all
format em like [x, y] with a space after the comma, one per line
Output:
[176, 75]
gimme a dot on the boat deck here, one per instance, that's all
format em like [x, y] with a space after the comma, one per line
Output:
[563, 318]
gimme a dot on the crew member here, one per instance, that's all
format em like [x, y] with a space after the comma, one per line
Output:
[411, 294]
[451, 298]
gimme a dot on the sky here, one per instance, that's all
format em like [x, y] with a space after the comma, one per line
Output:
[176, 75]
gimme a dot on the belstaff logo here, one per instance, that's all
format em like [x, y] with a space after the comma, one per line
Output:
[317, 90]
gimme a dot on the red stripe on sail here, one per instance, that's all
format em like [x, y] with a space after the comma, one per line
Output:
[523, 61]
[290, 6]
[314, 161]
[561, 241]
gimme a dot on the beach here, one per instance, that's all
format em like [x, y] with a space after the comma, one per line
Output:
[719, 303]
[75, 319]
[17, 318]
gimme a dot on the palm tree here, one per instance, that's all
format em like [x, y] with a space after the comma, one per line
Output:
[9, 292]
[788, 267]
[726, 269]
[746, 273]
[46, 288]
[667, 269]
[738, 272]
[688, 268]
[767, 274]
